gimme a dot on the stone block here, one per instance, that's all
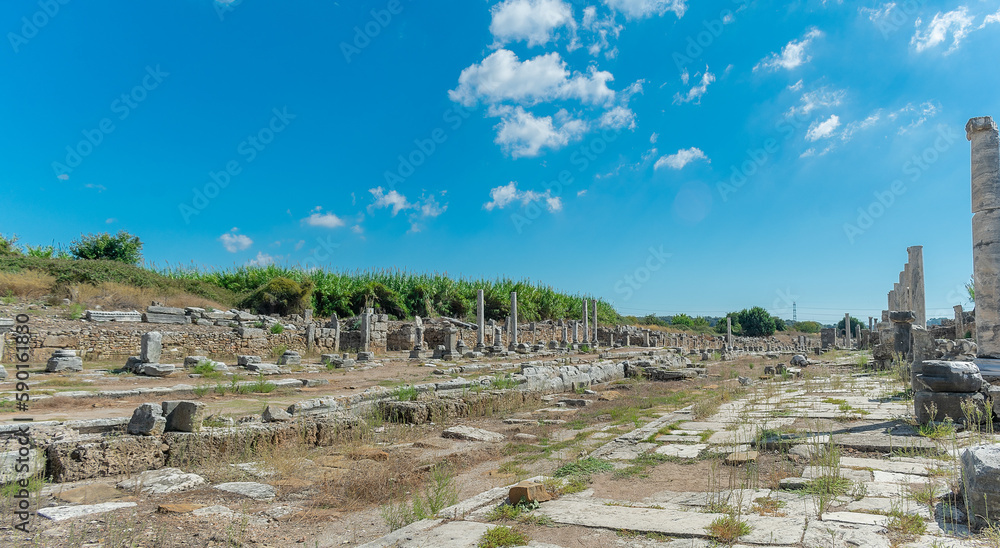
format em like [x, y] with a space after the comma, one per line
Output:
[166, 310]
[103, 316]
[183, 416]
[290, 357]
[981, 481]
[152, 347]
[469, 433]
[946, 404]
[275, 414]
[528, 491]
[243, 361]
[150, 317]
[251, 333]
[162, 482]
[64, 360]
[193, 361]
[947, 376]
[133, 364]
[157, 369]
[147, 420]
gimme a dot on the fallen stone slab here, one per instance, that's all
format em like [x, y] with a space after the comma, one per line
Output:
[469, 433]
[275, 414]
[147, 420]
[152, 317]
[60, 513]
[684, 451]
[250, 489]
[832, 533]
[109, 316]
[162, 481]
[409, 532]
[94, 493]
[157, 369]
[453, 534]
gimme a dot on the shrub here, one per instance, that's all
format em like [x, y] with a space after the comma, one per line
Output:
[122, 247]
[8, 245]
[280, 295]
[497, 537]
[756, 322]
[727, 529]
[277, 329]
[807, 327]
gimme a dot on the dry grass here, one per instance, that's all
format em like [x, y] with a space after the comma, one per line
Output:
[29, 284]
[111, 295]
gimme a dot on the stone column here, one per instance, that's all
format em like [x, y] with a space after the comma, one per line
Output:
[308, 315]
[916, 283]
[897, 292]
[889, 298]
[513, 320]
[586, 320]
[480, 322]
[901, 321]
[310, 336]
[595, 323]
[576, 332]
[959, 322]
[982, 132]
[729, 332]
[336, 333]
[847, 330]
[366, 335]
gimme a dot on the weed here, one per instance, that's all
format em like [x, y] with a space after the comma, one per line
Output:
[505, 382]
[937, 430]
[405, 392]
[440, 494]
[206, 369]
[583, 467]
[727, 529]
[511, 512]
[766, 506]
[500, 536]
[903, 527]
[261, 386]
[277, 329]
[200, 390]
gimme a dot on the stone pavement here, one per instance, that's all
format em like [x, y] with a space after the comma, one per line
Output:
[884, 463]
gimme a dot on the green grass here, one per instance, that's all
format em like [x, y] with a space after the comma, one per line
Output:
[500, 536]
[640, 466]
[261, 386]
[583, 467]
[405, 393]
[505, 382]
[206, 370]
[902, 527]
[727, 529]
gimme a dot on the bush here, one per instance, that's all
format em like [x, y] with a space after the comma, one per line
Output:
[122, 247]
[280, 295]
[855, 323]
[8, 245]
[277, 329]
[807, 327]
[756, 322]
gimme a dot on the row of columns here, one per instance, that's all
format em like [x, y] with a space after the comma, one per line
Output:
[908, 292]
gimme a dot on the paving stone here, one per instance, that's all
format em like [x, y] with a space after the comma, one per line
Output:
[742, 457]
[258, 491]
[90, 494]
[900, 467]
[162, 481]
[856, 518]
[60, 513]
[831, 534]
[469, 433]
[684, 451]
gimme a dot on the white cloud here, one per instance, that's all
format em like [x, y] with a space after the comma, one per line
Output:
[824, 129]
[581, 193]
[63, 176]
[653, 138]
[956, 22]
[682, 158]
[792, 55]
[521, 133]
[234, 242]
[325, 220]
[919, 115]
[98, 188]
[809, 152]
[602, 31]
[299, 244]
[617, 118]
[502, 196]
[854, 127]
[695, 93]
[111, 220]
[818, 98]
[878, 15]
[992, 18]
[262, 259]
[502, 77]
[640, 9]
[357, 229]
[391, 199]
[430, 208]
[530, 20]
[796, 86]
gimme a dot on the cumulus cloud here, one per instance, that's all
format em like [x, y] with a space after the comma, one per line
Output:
[262, 259]
[695, 93]
[822, 130]
[503, 77]
[682, 158]
[854, 127]
[233, 241]
[521, 133]
[641, 9]
[602, 30]
[956, 23]
[794, 54]
[502, 196]
[324, 220]
[427, 207]
[391, 199]
[532, 21]
[617, 118]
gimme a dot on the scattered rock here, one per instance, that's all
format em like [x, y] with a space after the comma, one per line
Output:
[469, 433]
[162, 481]
[178, 508]
[275, 414]
[147, 420]
[60, 513]
[257, 491]
[531, 491]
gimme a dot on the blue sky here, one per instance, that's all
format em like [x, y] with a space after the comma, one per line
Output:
[664, 155]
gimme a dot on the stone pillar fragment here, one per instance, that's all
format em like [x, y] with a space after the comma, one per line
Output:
[366, 336]
[847, 330]
[915, 263]
[513, 321]
[586, 320]
[959, 322]
[480, 322]
[595, 323]
[336, 333]
[982, 133]
[729, 332]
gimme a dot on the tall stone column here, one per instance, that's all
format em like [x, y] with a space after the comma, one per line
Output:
[336, 333]
[595, 323]
[586, 320]
[513, 320]
[897, 297]
[576, 332]
[729, 333]
[915, 261]
[366, 336]
[982, 133]
[847, 330]
[959, 322]
[480, 322]
[904, 283]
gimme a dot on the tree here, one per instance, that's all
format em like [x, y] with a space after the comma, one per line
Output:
[122, 247]
[756, 322]
[280, 295]
[854, 323]
[8, 246]
[779, 324]
[720, 326]
[807, 327]
[682, 320]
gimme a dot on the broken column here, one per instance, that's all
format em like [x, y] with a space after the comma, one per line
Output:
[847, 330]
[729, 333]
[982, 133]
[586, 320]
[366, 336]
[959, 322]
[915, 262]
[336, 333]
[901, 322]
[513, 321]
[480, 322]
[595, 323]
[418, 338]
[946, 382]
